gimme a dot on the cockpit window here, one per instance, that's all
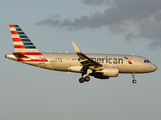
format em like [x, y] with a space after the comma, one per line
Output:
[147, 61]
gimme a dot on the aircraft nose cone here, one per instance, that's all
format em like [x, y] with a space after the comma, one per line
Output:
[154, 67]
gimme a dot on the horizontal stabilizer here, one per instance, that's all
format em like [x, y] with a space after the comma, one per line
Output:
[18, 55]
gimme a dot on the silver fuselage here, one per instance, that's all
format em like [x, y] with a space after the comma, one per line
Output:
[69, 62]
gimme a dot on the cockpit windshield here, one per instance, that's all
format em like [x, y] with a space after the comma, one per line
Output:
[147, 61]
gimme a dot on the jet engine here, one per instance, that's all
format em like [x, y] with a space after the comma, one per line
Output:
[107, 72]
[75, 69]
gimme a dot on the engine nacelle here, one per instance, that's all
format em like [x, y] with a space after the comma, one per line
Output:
[100, 76]
[75, 69]
[109, 71]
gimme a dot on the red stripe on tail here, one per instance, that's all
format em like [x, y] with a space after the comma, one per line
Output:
[30, 53]
[12, 26]
[19, 46]
[14, 33]
[16, 40]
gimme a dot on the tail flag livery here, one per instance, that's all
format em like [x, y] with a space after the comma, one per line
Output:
[25, 50]
[20, 40]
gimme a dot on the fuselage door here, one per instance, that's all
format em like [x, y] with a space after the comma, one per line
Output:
[136, 61]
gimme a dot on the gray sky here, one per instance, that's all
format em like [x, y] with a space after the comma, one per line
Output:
[96, 26]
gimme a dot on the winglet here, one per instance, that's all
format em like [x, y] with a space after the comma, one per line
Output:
[76, 48]
[83, 59]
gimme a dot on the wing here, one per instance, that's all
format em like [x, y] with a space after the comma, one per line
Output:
[85, 60]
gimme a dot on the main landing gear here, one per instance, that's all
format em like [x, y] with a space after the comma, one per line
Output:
[86, 79]
[133, 76]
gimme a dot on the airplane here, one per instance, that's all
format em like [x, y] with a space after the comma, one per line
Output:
[101, 66]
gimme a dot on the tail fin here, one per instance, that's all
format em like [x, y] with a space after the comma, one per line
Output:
[20, 40]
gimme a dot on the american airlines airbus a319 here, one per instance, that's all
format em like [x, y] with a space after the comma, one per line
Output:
[101, 66]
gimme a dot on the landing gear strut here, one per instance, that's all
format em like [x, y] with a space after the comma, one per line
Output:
[133, 76]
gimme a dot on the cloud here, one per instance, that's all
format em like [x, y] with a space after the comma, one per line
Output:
[48, 22]
[144, 15]
[94, 21]
[96, 2]
[155, 44]
[131, 35]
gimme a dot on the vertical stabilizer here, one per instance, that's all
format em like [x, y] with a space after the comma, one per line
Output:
[20, 40]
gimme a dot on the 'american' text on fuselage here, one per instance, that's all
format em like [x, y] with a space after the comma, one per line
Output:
[108, 60]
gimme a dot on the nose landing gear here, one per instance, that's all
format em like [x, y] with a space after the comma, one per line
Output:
[133, 76]
[134, 81]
